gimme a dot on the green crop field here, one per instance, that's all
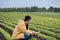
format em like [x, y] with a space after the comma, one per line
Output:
[48, 23]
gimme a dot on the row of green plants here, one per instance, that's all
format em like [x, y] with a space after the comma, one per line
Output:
[47, 32]
[35, 30]
[5, 34]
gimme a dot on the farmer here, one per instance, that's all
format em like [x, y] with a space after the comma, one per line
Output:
[21, 31]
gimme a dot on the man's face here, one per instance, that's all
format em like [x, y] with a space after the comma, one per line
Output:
[28, 21]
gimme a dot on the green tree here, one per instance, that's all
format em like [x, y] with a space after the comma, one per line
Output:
[34, 9]
[51, 9]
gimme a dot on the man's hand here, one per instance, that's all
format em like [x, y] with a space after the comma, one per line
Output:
[35, 33]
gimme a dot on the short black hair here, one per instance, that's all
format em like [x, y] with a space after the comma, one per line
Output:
[27, 18]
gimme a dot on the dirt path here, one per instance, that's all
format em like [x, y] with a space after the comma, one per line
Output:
[2, 37]
[6, 29]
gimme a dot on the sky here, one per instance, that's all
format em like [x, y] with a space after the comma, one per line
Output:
[29, 3]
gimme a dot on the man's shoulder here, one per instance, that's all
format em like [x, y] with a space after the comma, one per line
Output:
[21, 21]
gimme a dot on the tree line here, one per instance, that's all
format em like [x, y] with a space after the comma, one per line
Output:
[30, 9]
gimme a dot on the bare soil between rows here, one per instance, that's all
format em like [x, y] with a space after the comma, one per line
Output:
[2, 36]
[6, 29]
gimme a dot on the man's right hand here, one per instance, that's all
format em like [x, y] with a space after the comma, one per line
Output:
[35, 33]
